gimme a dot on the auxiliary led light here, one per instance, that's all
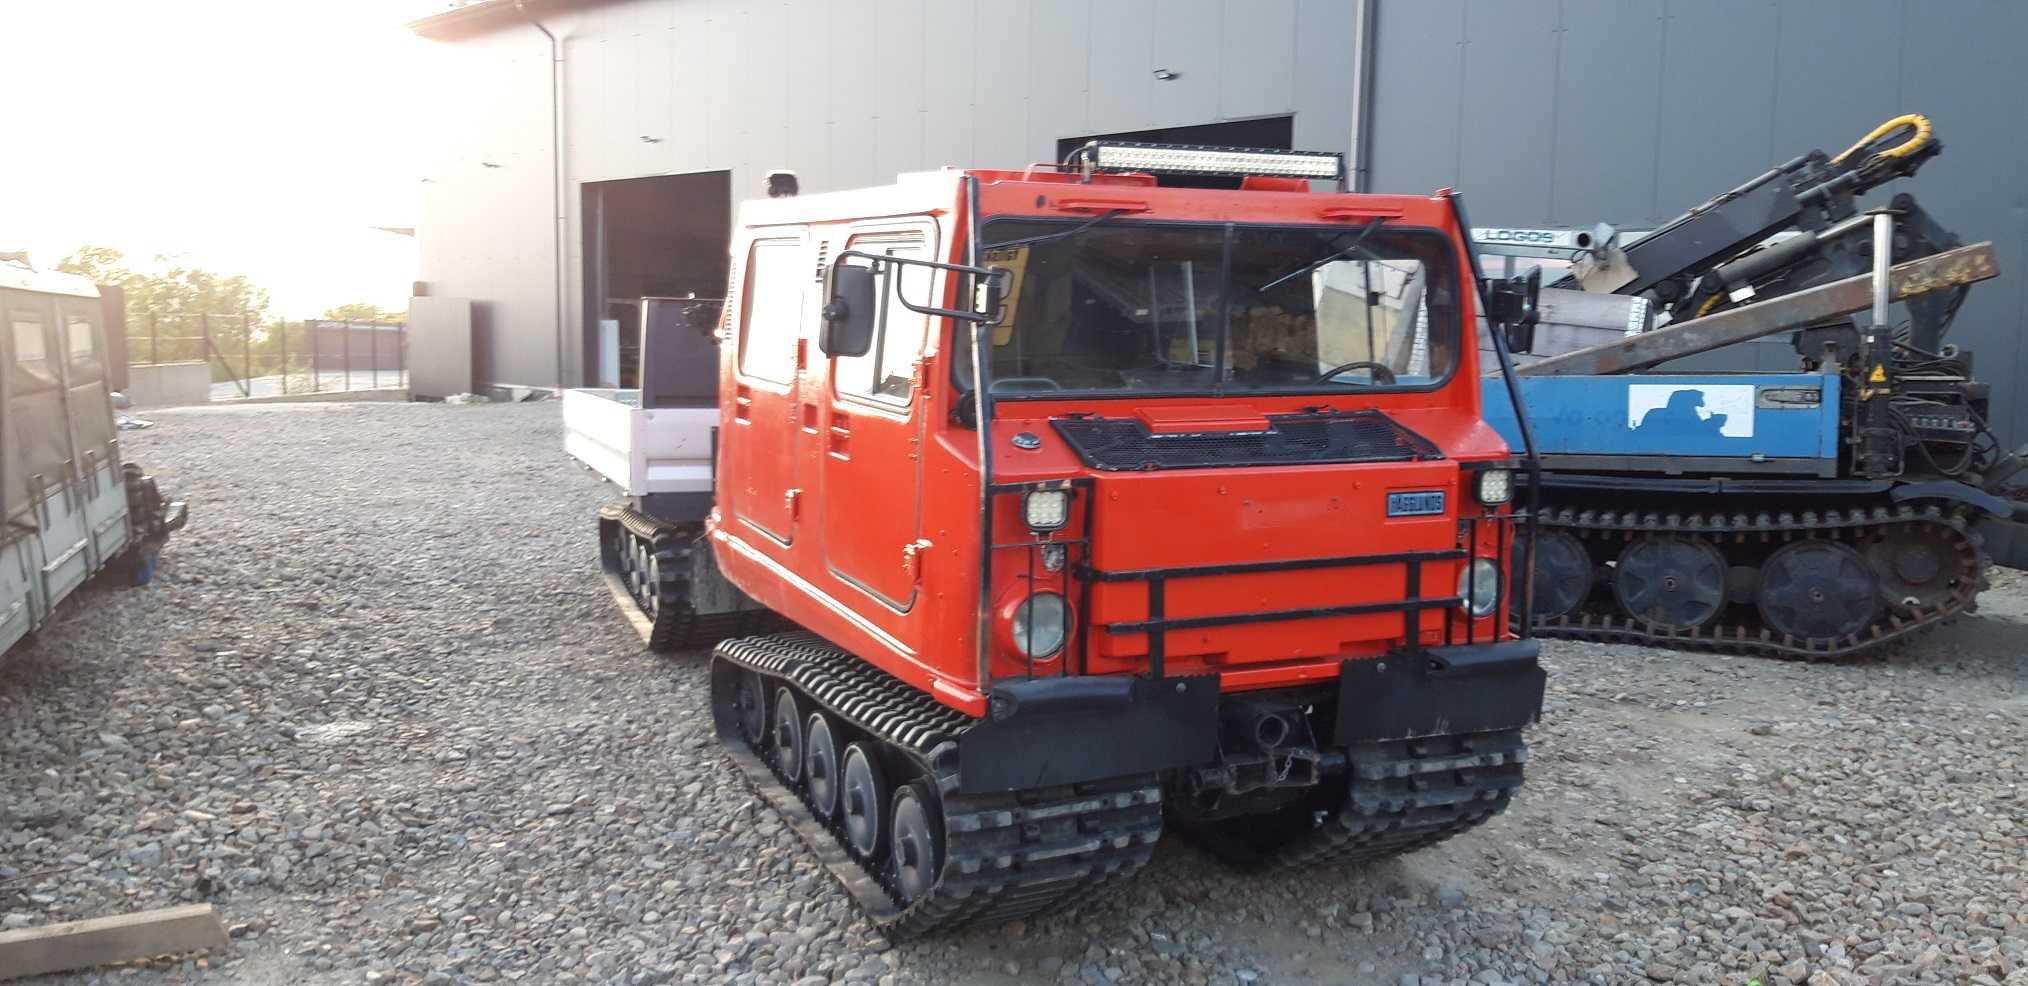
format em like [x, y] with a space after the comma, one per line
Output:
[1185, 160]
[1046, 510]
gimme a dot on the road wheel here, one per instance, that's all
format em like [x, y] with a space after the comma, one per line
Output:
[1562, 574]
[753, 708]
[1818, 590]
[788, 736]
[1670, 583]
[917, 844]
[865, 802]
[820, 767]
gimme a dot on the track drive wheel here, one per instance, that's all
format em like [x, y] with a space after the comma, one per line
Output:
[1817, 590]
[788, 736]
[864, 801]
[917, 843]
[1917, 567]
[1670, 583]
[820, 767]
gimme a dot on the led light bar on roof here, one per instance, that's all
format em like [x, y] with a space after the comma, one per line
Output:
[1186, 159]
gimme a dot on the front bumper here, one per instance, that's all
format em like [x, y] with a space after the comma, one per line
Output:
[1048, 731]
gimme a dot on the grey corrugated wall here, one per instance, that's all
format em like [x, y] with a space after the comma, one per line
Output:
[845, 92]
[1631, 111]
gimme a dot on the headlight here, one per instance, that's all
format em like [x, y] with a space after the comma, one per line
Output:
[1479, 587]
[1046, 510]
[1495, 486]
[1041, 624]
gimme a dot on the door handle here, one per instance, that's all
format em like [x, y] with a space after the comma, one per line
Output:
[742, 403]
[840, 441]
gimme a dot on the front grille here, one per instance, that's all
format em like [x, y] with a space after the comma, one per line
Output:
[1125, 444]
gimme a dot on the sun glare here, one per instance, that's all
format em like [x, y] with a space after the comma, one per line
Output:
[259, 138]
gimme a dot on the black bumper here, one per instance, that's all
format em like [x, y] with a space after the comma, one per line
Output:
[1447, 690]
[1050, 731]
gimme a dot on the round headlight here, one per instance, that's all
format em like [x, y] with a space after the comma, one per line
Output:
[1041, 623]
[1479, 587]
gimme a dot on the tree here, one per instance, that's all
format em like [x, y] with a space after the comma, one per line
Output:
[360, 311]
[104, 265]
[177, 291]
[174, 299]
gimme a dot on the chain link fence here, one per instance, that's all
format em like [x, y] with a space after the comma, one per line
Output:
[248, 357]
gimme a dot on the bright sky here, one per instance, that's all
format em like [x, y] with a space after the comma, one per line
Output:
[257, 137]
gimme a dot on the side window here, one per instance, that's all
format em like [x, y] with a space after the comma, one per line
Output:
[78, 336]
[775, 284]
[885, 372]
[31, 348]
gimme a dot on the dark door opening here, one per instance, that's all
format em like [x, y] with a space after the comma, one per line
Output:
[1274, 133]
[660, 237]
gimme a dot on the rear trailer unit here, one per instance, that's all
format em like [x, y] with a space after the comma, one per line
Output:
[1100, 504]
[656, 442]
[70, 509]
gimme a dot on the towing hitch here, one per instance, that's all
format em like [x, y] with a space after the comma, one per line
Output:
[1264, 744]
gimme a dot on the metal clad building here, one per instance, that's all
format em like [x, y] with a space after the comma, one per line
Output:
[845, 94]
[1542, 113]
[1631, 111]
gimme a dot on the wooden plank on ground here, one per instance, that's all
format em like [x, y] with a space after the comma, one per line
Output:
[1635, 353]
[102, 941]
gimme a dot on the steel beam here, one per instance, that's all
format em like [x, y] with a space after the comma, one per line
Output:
[1633, 354]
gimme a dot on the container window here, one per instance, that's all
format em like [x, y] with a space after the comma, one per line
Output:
[30, 348]
[78, 332]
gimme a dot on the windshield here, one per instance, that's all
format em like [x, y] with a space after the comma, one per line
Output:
[1156, 308]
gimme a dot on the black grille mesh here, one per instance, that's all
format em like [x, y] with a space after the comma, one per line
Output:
[1117, 444]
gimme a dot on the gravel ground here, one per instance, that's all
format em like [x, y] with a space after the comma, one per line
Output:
[378, 710]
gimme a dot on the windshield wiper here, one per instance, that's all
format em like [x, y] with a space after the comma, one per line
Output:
[1337, 254]
[1060, 234]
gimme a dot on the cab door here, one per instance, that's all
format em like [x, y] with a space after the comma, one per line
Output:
[761, 432]
[873, 433]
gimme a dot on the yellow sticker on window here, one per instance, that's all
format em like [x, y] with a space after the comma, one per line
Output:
[1015, 261]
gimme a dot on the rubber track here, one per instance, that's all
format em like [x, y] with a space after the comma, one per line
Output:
[1005, 855]
[1856, 526]
[1409, 794]
[676, 625]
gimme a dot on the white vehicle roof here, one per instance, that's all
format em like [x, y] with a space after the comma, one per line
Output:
[22, 278]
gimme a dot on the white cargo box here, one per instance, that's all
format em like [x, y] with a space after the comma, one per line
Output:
[643, 451]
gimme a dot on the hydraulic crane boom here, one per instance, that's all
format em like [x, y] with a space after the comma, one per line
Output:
[1813, 194]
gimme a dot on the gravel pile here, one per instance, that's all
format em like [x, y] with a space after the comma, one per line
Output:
[377, 708]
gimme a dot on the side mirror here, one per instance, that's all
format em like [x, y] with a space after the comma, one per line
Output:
[989, 296]
[1515, 305]
[848, 316]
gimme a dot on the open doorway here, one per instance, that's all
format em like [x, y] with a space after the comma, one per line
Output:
[1274, 133]
[660, 237]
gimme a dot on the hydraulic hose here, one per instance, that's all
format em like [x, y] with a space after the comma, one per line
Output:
[1919, 123]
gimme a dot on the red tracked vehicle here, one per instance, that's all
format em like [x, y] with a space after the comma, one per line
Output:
[1221, 540]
